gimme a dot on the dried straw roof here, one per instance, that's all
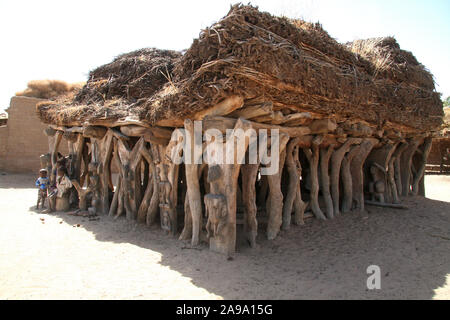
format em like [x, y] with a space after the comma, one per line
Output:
[256, 55]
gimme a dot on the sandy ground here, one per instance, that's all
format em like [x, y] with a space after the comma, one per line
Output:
[50, 257]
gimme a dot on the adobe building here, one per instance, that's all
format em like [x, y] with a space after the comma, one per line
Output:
[22, 139]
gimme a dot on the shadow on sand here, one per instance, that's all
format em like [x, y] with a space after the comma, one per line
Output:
[321, 260]
[316, 261]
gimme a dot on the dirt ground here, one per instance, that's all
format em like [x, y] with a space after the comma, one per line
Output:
[51, 257]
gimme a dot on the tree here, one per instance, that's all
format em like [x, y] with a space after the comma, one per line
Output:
[446, 102]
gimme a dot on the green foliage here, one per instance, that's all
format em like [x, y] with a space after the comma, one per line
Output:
[446, 102]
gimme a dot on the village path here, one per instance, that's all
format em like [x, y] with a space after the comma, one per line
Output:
[65, 257]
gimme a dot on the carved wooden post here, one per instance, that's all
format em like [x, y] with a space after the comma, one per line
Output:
[193, 186]
[54, 139]
[336, 162]
[167, 177]
[357, 173]
[249, 175]
[397, 166]
[406, 163]
[76, 145]
[424, 151]
[149, 208]
[128, 161]
[347, 184]
[294, 181]
[380, 184]
[313, 158]
[325, 155]
[391, 179]
[275, 199]
[220, 204]
[299, 204]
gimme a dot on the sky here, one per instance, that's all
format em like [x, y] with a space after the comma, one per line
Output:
[66, 39]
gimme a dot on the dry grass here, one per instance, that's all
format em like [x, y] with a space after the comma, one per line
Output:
[254, 54]
[49, 89]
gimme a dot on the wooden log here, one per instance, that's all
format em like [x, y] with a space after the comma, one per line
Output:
[105, 174]
[297, 119]
[54, 140]
[249, 175]
[391, 179]
[145, 203]
[138, 131]
[386, 205]
[251, 112]
[378, 161]
[76, 148]
[101, 154]
[275, 117]
[193, 187]
[294, 182]
[397, 166]
[336, 162]
[323, 126]
[406, 163]
[223, 108]
[347, 184]
[299, 205]
[119, 135]
[153, 207]
[313, 158]
[275, 199]
[223, 124]
[115, 201]
[128, 161]
[325, 155]
[82, 195]
[356, 168]
[167, 175]
[94, 132]
[221, 202]
[84, 177]
[418, 177]
[358, 129]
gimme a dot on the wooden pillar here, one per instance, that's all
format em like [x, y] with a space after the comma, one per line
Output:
[406, 163]
[274, 204]
[357, 173]
[347, 182]
[313, 158]
[418, 177]
[249, 175]
[54, 139]
[150, 207]
[325, 155]
[336, 163]
[192, 225]
[220, 204]
[397, 166]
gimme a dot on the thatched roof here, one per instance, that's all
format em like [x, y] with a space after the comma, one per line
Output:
[258, 56]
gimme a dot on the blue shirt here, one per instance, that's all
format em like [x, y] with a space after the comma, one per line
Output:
[42, 183]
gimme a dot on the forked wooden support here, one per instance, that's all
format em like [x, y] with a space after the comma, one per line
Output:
[336, 163]
[356, 169]
[312, 154]
[418, 177]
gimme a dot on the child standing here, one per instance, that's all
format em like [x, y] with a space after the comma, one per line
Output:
[42, 183]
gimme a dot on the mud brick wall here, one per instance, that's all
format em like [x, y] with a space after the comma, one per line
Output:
[22, 140]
